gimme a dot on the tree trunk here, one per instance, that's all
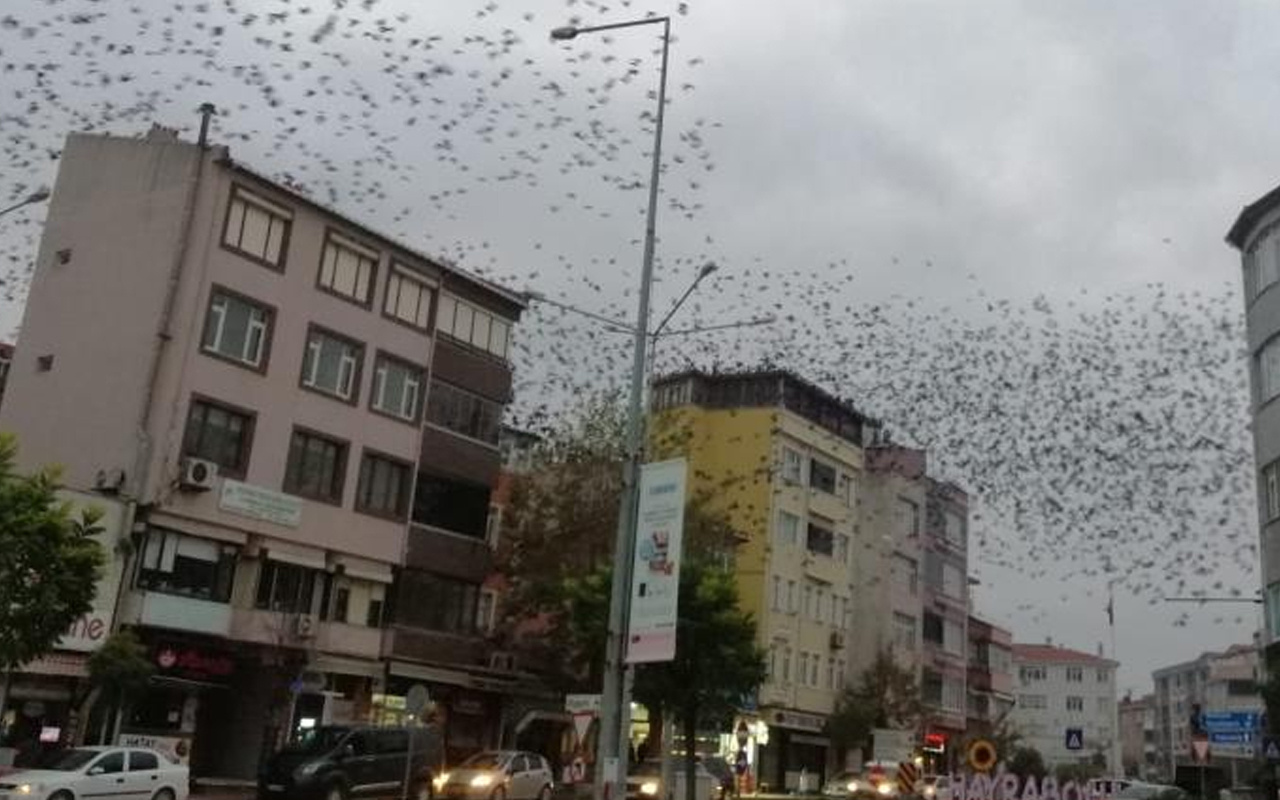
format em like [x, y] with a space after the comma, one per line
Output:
[690, 752]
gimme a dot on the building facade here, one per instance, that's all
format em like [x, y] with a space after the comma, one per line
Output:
[1138, 752]
[302, 417]
[990, 679]
[1066, 705]
[1256, 235]
[1212, 683]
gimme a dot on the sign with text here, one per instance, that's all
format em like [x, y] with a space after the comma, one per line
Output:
[655, 572]
[1229, 721]
[177, 748]
[90, 630]
[188, 662]
[255, 502]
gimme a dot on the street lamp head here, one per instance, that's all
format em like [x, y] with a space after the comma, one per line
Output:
[564, 33]
[707, 269]
[38, 196]
[533, 296]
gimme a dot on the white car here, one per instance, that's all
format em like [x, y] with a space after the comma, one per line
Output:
[120, 773]
[497, 775]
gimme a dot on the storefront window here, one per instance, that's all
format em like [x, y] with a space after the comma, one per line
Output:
[175, 563]
[285, 587]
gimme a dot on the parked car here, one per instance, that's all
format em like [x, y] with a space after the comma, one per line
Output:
[843, 784]
[498, 775]
[644, 781]
[128, 773]
[1137, 790]
[336, 762]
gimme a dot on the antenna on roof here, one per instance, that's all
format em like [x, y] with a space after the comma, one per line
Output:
[206, 114]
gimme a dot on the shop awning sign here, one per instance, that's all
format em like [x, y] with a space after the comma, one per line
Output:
[655, 573]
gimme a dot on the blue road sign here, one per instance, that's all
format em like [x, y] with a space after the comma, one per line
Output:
[1075, 738]
[1229, 721]
[1270, 748]
[1231, 737]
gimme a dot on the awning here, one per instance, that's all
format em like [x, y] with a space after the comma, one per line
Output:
[347, 666]
[362, 568]
[299, 555]
[197, 528]
[422, 672]
[67, 665]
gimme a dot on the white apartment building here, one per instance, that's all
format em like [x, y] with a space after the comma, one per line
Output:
[1066, 696]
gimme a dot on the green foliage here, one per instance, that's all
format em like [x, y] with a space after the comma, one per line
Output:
[1026, 762]
[120, 668]
[49, 561]
[884, 696]
[1081, 773]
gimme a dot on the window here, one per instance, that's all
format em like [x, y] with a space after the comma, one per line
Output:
[456, 506]
[1075, 703]
[933, 571]
[331, 364]
[373, 618]
[1104, 705]
[341, 603]
[1271, 490]
[1261, 265]
[804, 668]
[1104, 675]
[437, 603]
[953, 694]
[831, 673]
[141, 761]
[1075, 674]
[905, 574]
[463, 322]
[1273, 610]
[1032, 674]
[786, 665]
[792, 466]
[847, 490]
[952, 581]
[772, 670]
[777, 593]
[397, 388]
[931, 688]
[237, 328]
[933, 628]
[792, 600]
[814, 663]
[257, 228]
[840, 669]
[347, 268]
[908, 517]
[788, 530]
[820, 539]
[1033, 701]
[846, 617]
[822, 476]
[1267, 364]
[808, 600]
[463, 412]
[953, 531]
[842, 548]
[317, 467]
[384, 486]
[819, 604]
[493, 525]
[173, 563]
[408, 297]
[953, 637]
[219, 434]
[286, 588]
[487, 612]
[110, 763]
[904, 631]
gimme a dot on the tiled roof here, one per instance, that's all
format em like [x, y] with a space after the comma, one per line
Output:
[1049, 654]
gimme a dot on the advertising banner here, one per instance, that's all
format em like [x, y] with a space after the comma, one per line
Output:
[655, 574]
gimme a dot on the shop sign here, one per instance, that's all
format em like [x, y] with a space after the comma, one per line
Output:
[797, 720]
[655, 571]
[177, 748]
[256, 502]
[1007, 786]
[468, 705]
[89, 631]
[193, 663]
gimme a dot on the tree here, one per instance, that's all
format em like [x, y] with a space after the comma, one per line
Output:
[884, 696]
[1026, 762]
[49, 561]
[118, 672]
[717, 662]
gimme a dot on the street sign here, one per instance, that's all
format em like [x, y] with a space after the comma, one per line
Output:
[1229, 721]
[1231, 737]
[655, 571]
[415, 702]
[1200, 749]
[1075, 738]
[1270, 748]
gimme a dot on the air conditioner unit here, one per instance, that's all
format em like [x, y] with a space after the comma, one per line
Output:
[109, 481]
[304, 626]
[837, 640]
[501, 660]
[198, 475]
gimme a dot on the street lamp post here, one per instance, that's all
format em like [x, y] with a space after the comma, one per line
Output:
[615, 709]
[38, 196]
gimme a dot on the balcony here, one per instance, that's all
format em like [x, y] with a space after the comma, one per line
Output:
[416, 644]
[182, 613]
[451, 554]
[304, 631]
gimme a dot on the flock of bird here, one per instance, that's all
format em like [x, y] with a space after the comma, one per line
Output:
[1105, 436]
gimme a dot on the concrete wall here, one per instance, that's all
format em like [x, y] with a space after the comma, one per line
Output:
[1045, 729]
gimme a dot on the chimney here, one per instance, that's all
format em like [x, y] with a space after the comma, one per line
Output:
[206, 114]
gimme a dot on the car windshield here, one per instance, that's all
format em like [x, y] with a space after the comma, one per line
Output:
[317, 740]
[483, 761]
[71, 760]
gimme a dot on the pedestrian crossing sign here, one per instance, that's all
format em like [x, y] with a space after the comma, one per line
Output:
[1270, 749]
[1075, 739]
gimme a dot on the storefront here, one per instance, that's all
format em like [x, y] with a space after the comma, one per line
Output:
[794, 757]
[467, 707]
[335, 690]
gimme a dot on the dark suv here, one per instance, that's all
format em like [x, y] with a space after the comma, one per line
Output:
[340, 762]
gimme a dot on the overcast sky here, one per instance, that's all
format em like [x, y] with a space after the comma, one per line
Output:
[897, 149]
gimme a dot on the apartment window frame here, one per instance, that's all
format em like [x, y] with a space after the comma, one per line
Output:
[268, 329]
[904, 631]
[496, 409]
[818, 466]
[1272, 609]
[381, 360]
[308, 359]
[277, 211]
[448, 305]
[791, 469]
[1032, 673]
[158, 556]
[1269, 478]
[1267, 378]
[398, 269]
[368, 458]
[273, 577]
[290, 484]
[1263, 252]
[363, 251]
[820, 537]
[782, 537]
[1075, 674]
[248, 430]
[1075, 704]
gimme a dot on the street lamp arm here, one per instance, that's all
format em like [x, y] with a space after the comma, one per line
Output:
[706, 270]
[570, 31]
[38, 196]
[746, 323]
[620, 326]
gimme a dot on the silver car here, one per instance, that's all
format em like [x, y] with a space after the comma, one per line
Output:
[497, 775]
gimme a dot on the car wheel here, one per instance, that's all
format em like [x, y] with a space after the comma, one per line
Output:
[63, 795]
[498, 794]
[163, 794]
[545, 794]
[336, 791]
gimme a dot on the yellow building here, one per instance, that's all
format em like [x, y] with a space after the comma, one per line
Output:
[784, 460]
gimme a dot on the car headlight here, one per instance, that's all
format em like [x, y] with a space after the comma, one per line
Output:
[482, 780]
[885, 788]
[930, 791]
[28, 788]
[440, 780]
[853, 786]
[649, 788]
